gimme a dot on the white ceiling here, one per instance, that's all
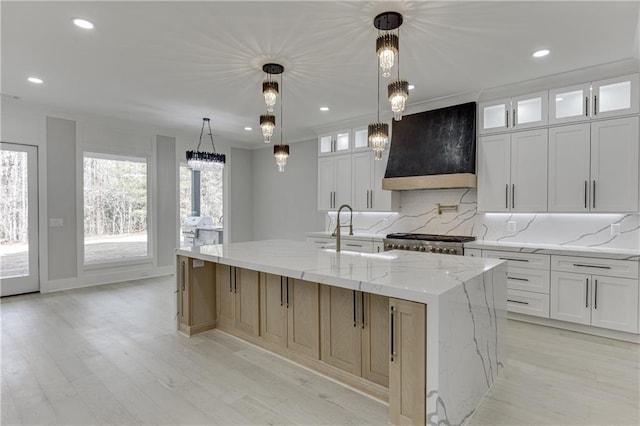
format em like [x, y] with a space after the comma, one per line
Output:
[171, 63]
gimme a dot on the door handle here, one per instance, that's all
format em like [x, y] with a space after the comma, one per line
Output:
[586, 292]
[230, 279]
[517, 301]
[595, 105]
[506, 115]
[506, 196]
[281, 292]
[513, 196]
[586, 185]
[515, 123]
[586, 106]
[287, 292]
[355, 323]
[362, 307]
[184, 278]
[595, 296]
[594, 195]
[393, 340]
[235, 280]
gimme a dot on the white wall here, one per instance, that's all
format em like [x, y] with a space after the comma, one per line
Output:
[285, 204]
[240, 223]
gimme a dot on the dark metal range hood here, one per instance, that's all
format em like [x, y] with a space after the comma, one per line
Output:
[433, 149]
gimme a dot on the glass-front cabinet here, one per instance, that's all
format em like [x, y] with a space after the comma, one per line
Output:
[334, 143]
[600, 99]
[360, 139]
[516, 113]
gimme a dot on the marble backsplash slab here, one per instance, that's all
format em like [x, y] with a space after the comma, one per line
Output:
[419, 214]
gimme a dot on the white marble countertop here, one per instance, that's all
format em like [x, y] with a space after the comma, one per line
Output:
[419, 277]
[601, 252]
[345, 235]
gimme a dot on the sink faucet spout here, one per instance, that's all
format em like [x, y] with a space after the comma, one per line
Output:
[338, 225]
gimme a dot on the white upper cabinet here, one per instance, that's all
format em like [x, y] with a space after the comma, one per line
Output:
[616, 96]
[570, 104]
[600, 99]
[512, 172]
[334, 182]
[594, 166]
[520, 112]
[334, 143]
[362, 180]
[361, 139]
[614, 165]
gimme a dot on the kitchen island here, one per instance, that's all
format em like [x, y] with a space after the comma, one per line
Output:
[429, 328]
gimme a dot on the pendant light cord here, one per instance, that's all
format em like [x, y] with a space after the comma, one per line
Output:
[378, 105]
[281, 116]
[210, 135]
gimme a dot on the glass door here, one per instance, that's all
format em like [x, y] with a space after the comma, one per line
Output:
[18, 219]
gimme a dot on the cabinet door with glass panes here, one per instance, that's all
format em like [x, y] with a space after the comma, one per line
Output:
[520, 112]
[334, 143]
[360, 139]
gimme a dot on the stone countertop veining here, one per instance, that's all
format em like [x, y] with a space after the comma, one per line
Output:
[419, 277]
[345, 235]
[557, 249]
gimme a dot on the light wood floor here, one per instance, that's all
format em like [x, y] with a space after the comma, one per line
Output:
[111, 355]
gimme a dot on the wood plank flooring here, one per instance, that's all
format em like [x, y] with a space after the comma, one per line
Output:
[111, 355]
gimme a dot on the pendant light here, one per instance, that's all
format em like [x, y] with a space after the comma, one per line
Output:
[280, 151]
[378, 132]
[270, 86]
[202, 160]
[388, 49]
[267, 124]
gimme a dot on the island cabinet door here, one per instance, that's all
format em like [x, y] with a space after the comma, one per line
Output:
[273, 309]
[375, 338]
[340, 328]
[303, 304]
[407, 355]
[202, 295]
[225, 297]
[247, 290]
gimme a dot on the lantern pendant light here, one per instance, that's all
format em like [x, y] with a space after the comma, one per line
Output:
[270, 86]
[202, 160]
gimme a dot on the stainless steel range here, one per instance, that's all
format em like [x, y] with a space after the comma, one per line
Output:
[445, 244]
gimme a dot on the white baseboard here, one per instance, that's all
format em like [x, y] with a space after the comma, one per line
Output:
[103, 278]
[580, 328]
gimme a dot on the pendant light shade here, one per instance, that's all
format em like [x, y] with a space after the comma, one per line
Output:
[203, 160]
[281, 153]
[378, 134]
[270, 92]
[267, 124]
[387, 49]
[398, 92]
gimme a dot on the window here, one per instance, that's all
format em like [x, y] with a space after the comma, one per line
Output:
[201, 194]
[115, 208]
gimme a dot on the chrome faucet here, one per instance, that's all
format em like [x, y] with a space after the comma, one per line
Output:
[336, 233]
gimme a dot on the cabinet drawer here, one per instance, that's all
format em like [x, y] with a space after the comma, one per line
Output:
[356, 245]
[320, 242]
[591, 265]
[520, 260]
[535, 280]
[472, 252]
[524, 302]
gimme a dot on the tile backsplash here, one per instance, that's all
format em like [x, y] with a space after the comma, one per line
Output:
[419, 213]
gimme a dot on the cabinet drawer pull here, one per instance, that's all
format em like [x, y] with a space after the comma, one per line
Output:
[506, 196]
[517, 301]
[595, 296]
[281, 292]
[353, 245]
[584, 265]
[355, 321]
[513, 196]
[184, 278]
[287, 292]
[517, 279]
[594, 194]
[362, 307]
[586, 106]
[586, 189]
[392, 327]
[586, 293]
[515, 260]
[595, 105]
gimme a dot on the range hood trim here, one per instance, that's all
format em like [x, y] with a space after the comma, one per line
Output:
[446, 181]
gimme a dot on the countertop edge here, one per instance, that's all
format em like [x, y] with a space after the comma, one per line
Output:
[553, 249]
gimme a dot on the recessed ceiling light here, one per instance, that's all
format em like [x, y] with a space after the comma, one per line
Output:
[540, 53]
[248, 129]
[558, 99]
[83, 23]
[35, 80]
[411, 87]
[324, 108]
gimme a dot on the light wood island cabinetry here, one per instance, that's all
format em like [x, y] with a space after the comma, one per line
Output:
[196, 295]
[237, 295]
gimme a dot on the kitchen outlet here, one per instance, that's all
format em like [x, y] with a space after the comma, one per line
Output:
[56, 222]
[615, 229]
[511, 226]
[197, 263]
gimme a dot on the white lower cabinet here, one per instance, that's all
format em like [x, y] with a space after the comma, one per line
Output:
[526, 302]
[602, 301]
[348, 244]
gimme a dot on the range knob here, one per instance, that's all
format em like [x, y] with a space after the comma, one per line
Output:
[395, 246]
[389, 245]
[445, 250]
[423, 248]
[432, 249]
[439, 250]
[453, 251]
[406, 247]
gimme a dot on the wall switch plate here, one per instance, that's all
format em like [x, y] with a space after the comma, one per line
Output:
[197, 263]
[511, 226]
[615, 229]
[56, 222]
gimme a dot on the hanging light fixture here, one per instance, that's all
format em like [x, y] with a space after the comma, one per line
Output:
[280, 151]
[267, 124]
[202, 160]
[378, 132]
[270, 86]
[388, 42]
[388, 48]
